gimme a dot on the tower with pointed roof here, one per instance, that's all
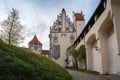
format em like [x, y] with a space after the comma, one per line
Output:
[35, 45]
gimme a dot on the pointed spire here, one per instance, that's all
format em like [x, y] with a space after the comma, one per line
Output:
[35, 41]
[63, 10]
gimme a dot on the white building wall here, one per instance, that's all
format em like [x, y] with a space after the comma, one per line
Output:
[115, 9]
[32, 47]
[80, 26]
[108, 46]
[114, 58]
[96, 59]
[64, 42]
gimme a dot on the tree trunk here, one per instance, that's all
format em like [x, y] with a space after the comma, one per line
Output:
[11, 30]
[9, 40]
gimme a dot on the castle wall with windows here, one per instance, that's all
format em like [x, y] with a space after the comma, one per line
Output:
[63, 34]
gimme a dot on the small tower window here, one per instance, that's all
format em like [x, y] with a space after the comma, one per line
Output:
[55, 39]
[59, 23]
[67, 29]
[59, 29]
[55, 29]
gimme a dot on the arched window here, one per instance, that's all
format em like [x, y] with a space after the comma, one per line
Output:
[56, 51]
[72, 38]
[55, 39]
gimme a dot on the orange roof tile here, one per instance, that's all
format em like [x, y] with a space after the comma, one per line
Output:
[35, 41]
[79, 16]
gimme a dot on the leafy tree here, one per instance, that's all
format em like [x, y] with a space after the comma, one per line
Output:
[11, 28]
[79, 54]
[82, 55]
[74, 53]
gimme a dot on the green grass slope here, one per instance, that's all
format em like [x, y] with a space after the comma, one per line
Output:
[20, 64]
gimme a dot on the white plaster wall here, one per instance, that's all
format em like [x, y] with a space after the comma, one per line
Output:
[64, 42]
[114, 59]
[38, 51]
[96, 59]
[80, 25]
[115, 7]
[112, 44]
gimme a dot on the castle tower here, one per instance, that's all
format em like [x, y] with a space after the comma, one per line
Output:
[62, 35]
[35, 45]
[79, 22]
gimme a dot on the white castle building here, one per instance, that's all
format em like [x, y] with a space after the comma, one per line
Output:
[63, 33]
[101, 38]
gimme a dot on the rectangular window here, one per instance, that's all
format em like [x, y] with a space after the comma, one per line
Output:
[59, 23]
[55, 39]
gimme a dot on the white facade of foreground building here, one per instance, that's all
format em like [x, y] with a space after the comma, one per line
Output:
[101, 38]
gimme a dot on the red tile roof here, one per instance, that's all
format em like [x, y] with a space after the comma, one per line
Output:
[79, 16]
[45, 52]
[35, 41]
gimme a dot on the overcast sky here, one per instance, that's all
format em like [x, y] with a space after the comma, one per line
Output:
[38, 15]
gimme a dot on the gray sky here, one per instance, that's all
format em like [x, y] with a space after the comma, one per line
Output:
[38, 15]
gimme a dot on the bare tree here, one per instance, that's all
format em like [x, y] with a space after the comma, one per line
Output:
[11, 28]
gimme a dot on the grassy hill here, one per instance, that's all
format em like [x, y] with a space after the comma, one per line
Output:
[20, 64]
